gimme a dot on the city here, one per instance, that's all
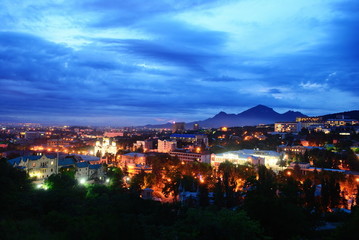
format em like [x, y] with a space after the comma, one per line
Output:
[309, 165]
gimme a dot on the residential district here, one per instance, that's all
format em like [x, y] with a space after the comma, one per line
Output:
[318, 158]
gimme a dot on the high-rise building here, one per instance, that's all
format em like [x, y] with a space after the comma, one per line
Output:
[166, 146]
[196, 126]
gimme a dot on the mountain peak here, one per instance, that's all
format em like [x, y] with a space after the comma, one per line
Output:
[259, 109]
[260, 106]
[221, 114]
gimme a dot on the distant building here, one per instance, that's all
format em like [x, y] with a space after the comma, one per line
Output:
[165, 146]
[178, 127]
[31, 135]
[113, 134]
[192, 157]
[196, 139]
[305, 122]
[295, 149]
[106, 145]
[289, 127]
[145, 145]
[341, 122]
[196, 126]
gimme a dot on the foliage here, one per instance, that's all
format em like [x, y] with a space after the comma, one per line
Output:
[60, 181]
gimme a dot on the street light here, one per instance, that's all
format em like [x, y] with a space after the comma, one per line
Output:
[82, 181]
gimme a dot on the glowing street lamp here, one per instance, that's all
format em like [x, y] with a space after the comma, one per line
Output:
[82, 181]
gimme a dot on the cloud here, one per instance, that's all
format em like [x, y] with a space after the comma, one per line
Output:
[126, 62]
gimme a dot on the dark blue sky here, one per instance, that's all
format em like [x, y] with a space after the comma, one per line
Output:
[106, 62]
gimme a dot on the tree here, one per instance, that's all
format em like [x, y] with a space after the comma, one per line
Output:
[309, 191]
[60, 181]
[203, 195]
[115, 175]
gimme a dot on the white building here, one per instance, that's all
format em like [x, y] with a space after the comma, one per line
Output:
[263, 157]
[105, 146]
[235, 157]
[41, 167]
[191, 156]
[166, 146]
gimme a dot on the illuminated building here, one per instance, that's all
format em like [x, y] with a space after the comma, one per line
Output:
[268, 158]
[235, 157]
[196, 126]
[34, 135]
[145, 145]
[286, 127]
[41, 167]
[105, 146]
[295, 149]
[178, 127]
[305, 122]
[165, 146]
[133, 157]
[197, 139]
[113, 134]
[191, 157]
[341, 122]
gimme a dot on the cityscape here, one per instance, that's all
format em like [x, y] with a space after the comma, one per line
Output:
[307, 166]
[182, 120]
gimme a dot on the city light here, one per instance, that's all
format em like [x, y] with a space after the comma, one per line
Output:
[82, 181]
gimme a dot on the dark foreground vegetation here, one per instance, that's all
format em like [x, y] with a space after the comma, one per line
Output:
[71, 211]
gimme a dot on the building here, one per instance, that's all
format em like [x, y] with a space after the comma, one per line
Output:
[263, 157]
[289, 127]
[166, 146]
[145, 145]
[113, 134]
[191, 157]
[235, 157]
[196, 126]
[341, 122]
[305, 122]
[41, 167]
[178, 127]
[133, 157]
[106, 145]
[31, 135]
[295, 149]
[197, 139]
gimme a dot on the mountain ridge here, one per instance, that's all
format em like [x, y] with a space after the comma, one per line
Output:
[259, 114]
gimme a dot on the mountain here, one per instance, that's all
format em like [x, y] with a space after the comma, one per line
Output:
[253, 116]
[166, 125]
[257, 115]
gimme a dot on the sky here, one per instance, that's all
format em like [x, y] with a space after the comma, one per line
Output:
[136, 62]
